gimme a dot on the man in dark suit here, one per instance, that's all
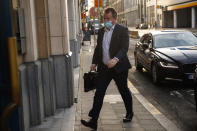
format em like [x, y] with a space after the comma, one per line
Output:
[110, 58]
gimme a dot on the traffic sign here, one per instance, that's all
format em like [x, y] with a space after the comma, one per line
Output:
[96, 2]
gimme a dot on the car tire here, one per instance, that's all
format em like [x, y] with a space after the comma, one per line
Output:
[155, 75]
[137, 64]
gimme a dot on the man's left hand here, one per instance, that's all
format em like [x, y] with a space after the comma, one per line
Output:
[112, 63]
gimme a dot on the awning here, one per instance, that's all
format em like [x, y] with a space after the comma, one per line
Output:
[181, 6]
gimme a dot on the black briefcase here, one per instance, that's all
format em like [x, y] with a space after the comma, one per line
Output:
[90, 80]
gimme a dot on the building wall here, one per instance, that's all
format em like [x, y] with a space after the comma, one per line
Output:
[127, 10]
[173, 7]
[46, 66]
[173, 2]
[145, 11]
[152, 11]
[131, 12]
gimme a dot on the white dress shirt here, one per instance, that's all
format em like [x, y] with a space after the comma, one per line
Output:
[106, 44]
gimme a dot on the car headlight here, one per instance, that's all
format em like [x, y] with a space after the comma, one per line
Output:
[168, 65]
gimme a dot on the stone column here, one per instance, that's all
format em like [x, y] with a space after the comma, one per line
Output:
[193, 17]
[65, 29]
[31, 87]
[47, 69]
[175, 18]
[163, 20]
[78, 33]
[68, 54]
[71, 18]
[30, 26]
[42, 28]
[59, 35]
[76, 15]
[72, 31]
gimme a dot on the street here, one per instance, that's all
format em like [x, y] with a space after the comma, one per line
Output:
[172, 98]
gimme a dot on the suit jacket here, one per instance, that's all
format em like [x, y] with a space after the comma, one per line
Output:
[118, 48]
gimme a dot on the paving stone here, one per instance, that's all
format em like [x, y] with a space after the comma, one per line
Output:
[109, 122]
[143, 112]
[49, 129]
[67, 126]
[77, 117]
[107, 113]
[109, 117]
[153, 128]
[149, 122]
[85, 116]
[83, 128]
[78, 122]
[134, 129]
[46, 124]
[34, 129]
[57, 123]
[145, 117]
[77, 128]
[112, 128]
[59, 113]
[130, 124]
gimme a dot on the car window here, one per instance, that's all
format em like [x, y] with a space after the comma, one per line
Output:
[174, 40]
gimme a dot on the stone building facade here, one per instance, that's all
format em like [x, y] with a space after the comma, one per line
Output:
[48, 36]
[155, 13]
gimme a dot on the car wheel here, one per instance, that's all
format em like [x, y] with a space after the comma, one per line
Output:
[155, 75]
[138, 65]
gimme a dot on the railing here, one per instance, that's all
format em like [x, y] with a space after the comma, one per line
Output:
[15, 86]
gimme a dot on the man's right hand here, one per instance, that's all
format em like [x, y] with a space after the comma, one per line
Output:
[93, 67]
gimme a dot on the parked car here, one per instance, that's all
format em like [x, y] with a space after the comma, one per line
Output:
[96, 27]
[137, 26]
[142, 26]
[171, 54]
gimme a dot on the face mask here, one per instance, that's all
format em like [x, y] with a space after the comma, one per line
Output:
[108, 24]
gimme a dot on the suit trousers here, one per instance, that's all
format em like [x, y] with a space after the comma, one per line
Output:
[104, 78]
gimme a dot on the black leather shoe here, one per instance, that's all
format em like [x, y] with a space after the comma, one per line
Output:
[92, 124]
[128, 118]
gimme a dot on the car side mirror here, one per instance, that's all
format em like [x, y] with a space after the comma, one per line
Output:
[145, 45]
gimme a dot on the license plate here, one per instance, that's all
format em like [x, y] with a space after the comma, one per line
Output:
[191, 77]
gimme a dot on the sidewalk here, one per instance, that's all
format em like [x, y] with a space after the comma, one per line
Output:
[146, 116]
[113, 109]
